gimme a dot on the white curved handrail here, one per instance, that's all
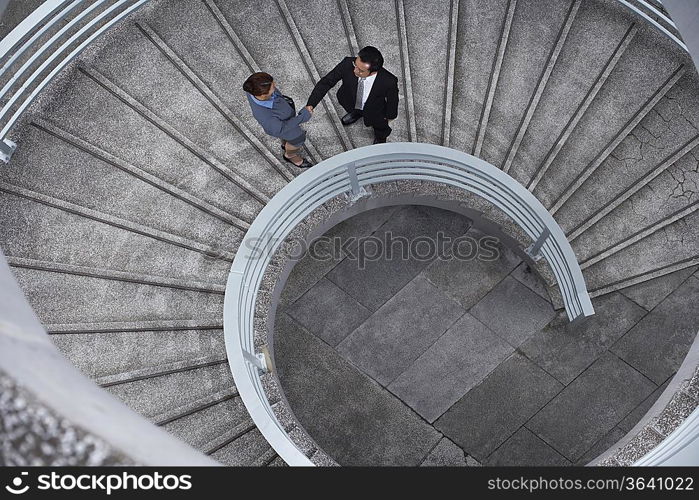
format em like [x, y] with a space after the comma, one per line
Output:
[99, 24]
[350, 172]
[655, 23]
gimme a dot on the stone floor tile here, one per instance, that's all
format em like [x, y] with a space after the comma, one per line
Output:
[652, 292]
[373, 281]
[565, 350]
[328, 312]
[658, 344]
[455, 363]
[447, 454]
[488, 414]
[525, 449]
[513, 311]
[346, 413]
[469, 281]
[398, 333]
[591, 406]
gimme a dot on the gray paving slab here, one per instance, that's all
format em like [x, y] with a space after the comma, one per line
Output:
[328, 251]
[513, 311]
[328, 312]
[657, 345]
[564, 350]
[454, 364]
[488, 414]
[382, 277]
[531, 279]
[350, 416]
[609, 440]
[447, 454]
[650, 293]
[401, 331]
[591, 406]
[526, 448]
[469, 281]
[640, 411]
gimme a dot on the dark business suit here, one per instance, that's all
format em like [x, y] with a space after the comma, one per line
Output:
[381, 104]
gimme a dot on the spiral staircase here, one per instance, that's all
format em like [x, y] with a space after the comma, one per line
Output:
[139, 169]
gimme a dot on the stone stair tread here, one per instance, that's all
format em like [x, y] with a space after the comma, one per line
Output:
[36, 231]
[155, 396]
[101, 356]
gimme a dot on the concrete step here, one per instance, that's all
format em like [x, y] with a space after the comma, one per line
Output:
[598, 37]
[527, 61]
[202, 428]
[38, 231]
[482, 35]
[89, 111]
[670, 197]
[665, 136]
[103, 355]
[101, 181]
[431, 37]
[664, 249]
[280, 55]
[612, 116]
[66, 298]
[250, 448]
[160, 395]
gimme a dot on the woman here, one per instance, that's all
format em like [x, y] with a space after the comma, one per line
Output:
[277, 117]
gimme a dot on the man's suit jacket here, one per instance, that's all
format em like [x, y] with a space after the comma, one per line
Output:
[382, 103]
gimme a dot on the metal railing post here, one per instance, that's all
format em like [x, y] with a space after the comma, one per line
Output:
[7, 147]
[258, 360]
[357, 191]
[534, 250]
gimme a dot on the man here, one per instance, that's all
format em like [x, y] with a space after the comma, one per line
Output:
[367, 90]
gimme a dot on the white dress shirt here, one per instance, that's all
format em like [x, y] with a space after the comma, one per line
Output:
[368, 82]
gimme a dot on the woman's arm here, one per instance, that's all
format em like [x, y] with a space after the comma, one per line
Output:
[279, 128]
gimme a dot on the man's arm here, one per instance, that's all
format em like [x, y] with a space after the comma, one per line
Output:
[392, 100]
[325, 84]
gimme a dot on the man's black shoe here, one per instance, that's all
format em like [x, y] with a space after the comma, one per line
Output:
[350, 118]
[379, 141]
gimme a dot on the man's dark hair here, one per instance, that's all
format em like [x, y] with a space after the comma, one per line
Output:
[258, 83]
[372, 56]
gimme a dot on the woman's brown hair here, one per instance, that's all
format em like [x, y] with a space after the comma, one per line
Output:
[258, 83]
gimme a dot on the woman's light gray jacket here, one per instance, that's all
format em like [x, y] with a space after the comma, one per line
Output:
[280, 120]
